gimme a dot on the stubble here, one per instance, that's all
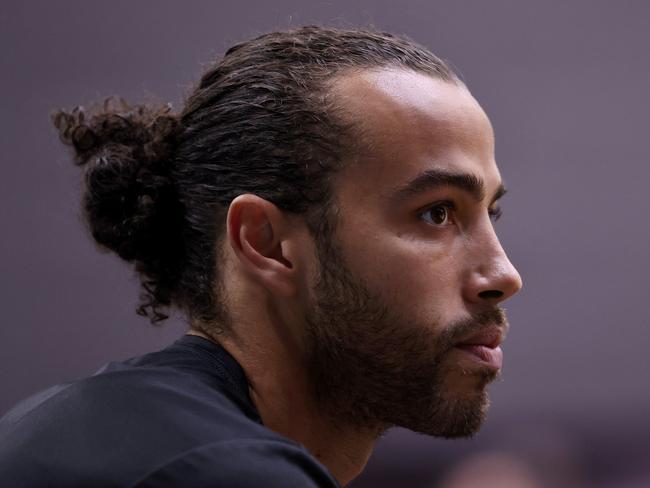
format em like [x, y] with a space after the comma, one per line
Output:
[373, 368]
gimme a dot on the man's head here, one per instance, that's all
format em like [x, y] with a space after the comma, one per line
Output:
[344, 179]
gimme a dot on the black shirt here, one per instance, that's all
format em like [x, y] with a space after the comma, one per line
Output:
[177, 417]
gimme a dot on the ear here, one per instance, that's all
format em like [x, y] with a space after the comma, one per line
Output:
[258, 233]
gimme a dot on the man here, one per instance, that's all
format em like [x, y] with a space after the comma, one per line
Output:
[322, 210]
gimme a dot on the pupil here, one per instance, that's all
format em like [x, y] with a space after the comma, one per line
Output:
[439, 214]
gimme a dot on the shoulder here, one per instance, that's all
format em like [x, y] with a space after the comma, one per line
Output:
[71, 433]
[162, 419]
[133, 396]
[242, 463]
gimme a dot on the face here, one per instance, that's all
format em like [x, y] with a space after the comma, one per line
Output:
[404, 325]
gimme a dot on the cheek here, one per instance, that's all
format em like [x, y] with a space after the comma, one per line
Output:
[421, 278]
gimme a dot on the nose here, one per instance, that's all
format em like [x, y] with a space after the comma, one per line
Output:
[492, 278]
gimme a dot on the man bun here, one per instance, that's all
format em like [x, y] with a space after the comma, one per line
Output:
[130, 201]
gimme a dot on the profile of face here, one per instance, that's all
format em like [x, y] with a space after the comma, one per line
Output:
[404, 323]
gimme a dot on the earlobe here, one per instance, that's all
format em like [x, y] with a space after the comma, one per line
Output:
[256, 234]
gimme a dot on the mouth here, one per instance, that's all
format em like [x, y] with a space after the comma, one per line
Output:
[482, 347]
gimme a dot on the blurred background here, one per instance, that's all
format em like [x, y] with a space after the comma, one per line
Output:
[566, 85]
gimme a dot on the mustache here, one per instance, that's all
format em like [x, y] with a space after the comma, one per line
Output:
[474, 323]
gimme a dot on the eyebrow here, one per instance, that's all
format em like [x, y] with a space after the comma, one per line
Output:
[435, 178]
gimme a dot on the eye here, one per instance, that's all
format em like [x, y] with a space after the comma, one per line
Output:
[439, 214]
[495, 213]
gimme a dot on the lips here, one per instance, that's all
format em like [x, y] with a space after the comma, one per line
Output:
[483, 347]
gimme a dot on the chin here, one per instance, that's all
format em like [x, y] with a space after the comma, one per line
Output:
[457, 411]
[467, 386]
[457, 418]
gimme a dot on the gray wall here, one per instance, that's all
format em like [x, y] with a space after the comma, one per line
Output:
[566, 86]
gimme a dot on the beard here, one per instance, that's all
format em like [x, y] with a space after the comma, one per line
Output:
[372, 367]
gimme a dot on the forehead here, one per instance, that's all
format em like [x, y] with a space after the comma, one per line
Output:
[410, 122]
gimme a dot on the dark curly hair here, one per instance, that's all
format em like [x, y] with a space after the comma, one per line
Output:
[262, 120]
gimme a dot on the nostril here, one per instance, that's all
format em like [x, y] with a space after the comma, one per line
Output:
[491, 294]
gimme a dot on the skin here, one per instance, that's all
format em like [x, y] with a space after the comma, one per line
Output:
[429, 266]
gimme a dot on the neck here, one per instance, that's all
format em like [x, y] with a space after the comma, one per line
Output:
[344, 451]
[281, 392]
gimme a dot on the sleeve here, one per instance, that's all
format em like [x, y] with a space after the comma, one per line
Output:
[247, 463]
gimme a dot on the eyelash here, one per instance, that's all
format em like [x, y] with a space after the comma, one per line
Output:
[495, 213]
